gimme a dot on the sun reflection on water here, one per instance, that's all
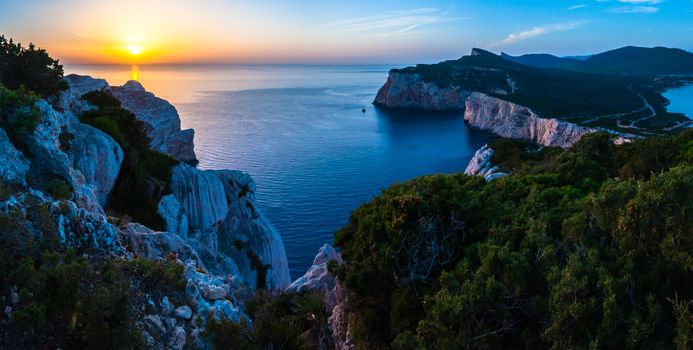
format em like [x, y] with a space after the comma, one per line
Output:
[135, 74]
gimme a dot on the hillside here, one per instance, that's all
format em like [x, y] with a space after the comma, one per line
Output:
[626, 60]
[626, 103]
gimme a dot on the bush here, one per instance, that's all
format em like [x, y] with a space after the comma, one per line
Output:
[18, 115]
[58, 189]
[279, 321]
[557, 255]
[29, 67]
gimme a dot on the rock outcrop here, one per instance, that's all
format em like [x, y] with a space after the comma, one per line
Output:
[98, 157]
[13, 164]
[480, 165]
[318, 279]
[409, 90]
[162, 119]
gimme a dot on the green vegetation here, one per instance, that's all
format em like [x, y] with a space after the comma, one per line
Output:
[30, 68]
[145, 174]
[280, 321]
[585, 97]
[588, 247]
[70, 298]
[18, 115]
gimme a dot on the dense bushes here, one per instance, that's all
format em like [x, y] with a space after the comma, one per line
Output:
[562, 254]
[145, 174]
[30, 68]
[279, 321]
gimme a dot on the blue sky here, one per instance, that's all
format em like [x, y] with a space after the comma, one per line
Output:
[355, 31]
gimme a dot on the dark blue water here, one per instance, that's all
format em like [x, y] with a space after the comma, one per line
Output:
[680, 100]
[302, 135]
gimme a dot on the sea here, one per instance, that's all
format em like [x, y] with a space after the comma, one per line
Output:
[309, 136]
[680, 100]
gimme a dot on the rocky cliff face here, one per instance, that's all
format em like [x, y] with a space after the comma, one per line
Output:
[410, 90]
[213, 228]
[518, 122]
[403, 90]
[162, 119]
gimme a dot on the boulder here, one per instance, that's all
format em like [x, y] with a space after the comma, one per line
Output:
[480, 165]
[184, 312]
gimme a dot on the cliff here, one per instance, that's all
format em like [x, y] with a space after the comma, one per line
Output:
[405, 90]
[66, 170]
[511, 120]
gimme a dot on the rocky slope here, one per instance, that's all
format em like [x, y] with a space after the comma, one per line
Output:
[213, 228]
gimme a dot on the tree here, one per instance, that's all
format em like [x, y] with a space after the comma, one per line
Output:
[30, 67]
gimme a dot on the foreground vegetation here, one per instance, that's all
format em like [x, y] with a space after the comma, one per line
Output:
[585, 248]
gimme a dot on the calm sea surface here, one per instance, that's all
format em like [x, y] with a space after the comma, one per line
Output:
[301, 133]
[681, 100]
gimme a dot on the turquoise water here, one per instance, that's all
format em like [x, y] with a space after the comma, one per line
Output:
[681, 100]
[301, 133]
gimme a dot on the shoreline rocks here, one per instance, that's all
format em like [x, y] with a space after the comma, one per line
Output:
[480, 165]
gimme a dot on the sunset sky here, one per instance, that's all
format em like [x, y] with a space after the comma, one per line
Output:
[320, 31]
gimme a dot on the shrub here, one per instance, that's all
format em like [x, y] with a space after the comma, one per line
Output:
[58, 189]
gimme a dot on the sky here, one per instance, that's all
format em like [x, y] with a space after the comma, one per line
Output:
[337, 32]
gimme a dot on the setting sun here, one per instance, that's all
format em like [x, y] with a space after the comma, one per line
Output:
[134, 49]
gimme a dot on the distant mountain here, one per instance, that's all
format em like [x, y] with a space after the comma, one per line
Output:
[626, 60]
[640, 60]
[542, 60]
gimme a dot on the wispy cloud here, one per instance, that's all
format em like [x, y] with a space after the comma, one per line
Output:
[635, 9]
[641, 2]
[393, 23]
[575, 7]
[80, 34]
[513, 38]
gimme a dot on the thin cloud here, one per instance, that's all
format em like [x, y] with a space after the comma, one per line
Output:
[80, 34]
[641, 2]
[393, 23]
[575, 7]
[636, 9]
[513, 38]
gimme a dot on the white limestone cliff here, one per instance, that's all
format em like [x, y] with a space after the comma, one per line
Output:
[514, 121]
